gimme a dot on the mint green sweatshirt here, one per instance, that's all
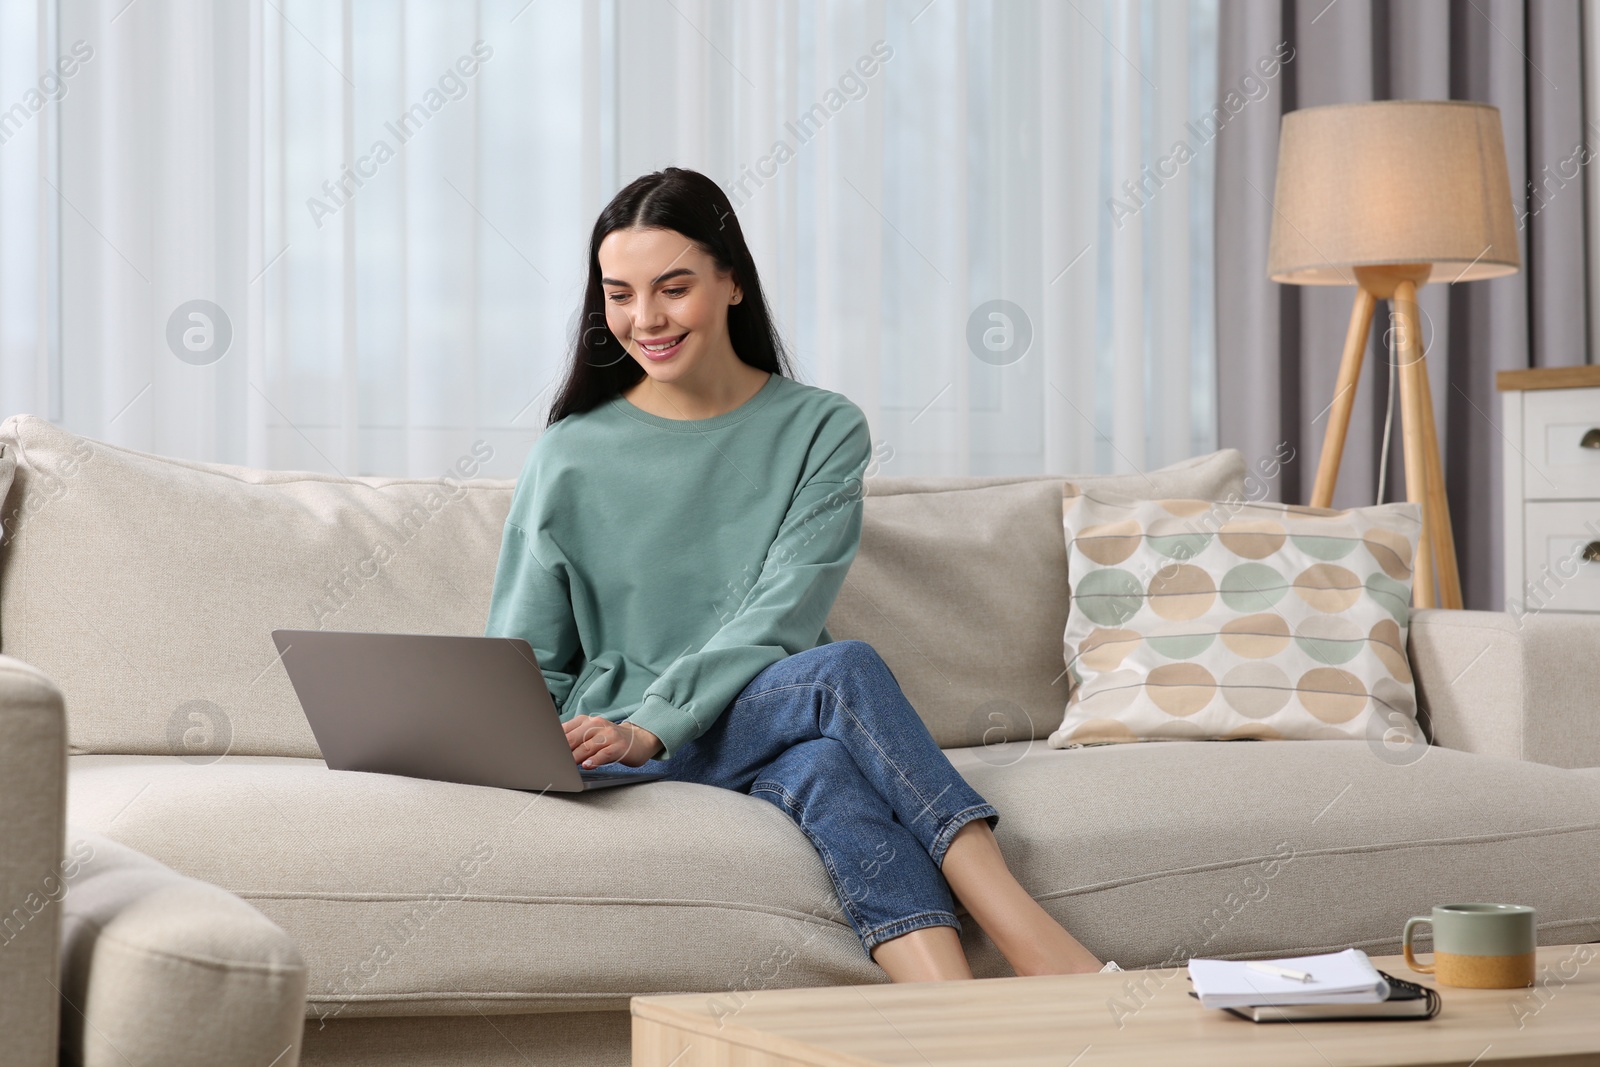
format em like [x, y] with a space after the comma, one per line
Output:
[658, 565]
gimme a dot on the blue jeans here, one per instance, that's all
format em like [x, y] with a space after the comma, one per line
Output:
[827, 736]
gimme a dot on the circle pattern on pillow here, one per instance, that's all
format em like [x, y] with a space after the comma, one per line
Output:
[1109, 596]
[1250, 587]
[1253, 538]
[1256, 690]
[1181, 591]
[1255, 636]
[1193, 620]
[1104, 649]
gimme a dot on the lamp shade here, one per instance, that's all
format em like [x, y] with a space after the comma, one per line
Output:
[1392, 182]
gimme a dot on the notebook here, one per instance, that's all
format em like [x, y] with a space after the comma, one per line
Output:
[1346, 977]
[1407, 1000]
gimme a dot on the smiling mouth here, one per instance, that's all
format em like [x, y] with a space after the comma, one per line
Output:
[664, 345]
[661, 354]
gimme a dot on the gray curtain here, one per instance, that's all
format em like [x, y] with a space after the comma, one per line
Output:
[1278, 346]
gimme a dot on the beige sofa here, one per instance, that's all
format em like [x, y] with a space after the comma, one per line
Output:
[450, 924]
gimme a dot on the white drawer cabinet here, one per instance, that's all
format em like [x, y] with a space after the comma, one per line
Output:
[1552, 489]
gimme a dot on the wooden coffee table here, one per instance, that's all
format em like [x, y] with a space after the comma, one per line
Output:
[1136, 1017]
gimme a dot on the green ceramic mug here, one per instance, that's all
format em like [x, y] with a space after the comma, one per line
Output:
[1477, 946]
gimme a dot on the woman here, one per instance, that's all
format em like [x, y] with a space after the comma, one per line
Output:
[682, 527]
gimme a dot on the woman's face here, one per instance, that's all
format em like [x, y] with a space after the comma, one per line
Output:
[665, 300]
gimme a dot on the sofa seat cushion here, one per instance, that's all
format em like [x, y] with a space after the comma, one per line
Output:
[413, 897]
[1162, 851]
[410, 897]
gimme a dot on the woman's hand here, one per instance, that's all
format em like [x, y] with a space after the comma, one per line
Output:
[596, 740]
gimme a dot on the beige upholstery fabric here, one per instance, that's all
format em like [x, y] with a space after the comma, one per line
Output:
[161, 970]
[365, 872]
[117, 540]
[961, 586]
[223, 554]
[1524, 686]
[33, 780]
[698, 887]
[1154, 859]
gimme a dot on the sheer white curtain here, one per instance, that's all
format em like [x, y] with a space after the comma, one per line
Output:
[349, 237]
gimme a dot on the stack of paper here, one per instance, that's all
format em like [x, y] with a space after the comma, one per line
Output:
[1346, 977]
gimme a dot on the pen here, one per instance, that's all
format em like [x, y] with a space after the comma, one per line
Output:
[1281, 972]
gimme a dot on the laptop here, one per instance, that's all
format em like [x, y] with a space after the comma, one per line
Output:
[473, 710]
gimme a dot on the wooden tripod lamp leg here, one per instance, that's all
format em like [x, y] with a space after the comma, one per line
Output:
[1344, 397]
[1437, 505]
[1414, 426]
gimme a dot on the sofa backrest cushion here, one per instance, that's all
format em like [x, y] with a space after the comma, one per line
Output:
[147, 587]
[961, 586]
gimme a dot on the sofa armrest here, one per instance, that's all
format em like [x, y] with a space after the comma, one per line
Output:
[1497, 683]
[163, 970]
[33, 775]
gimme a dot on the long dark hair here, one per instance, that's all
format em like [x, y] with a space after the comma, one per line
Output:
[692, 204]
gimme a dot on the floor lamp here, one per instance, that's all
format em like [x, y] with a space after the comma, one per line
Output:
[1386, 196]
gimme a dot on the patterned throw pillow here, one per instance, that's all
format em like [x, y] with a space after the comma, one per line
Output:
[1198, 620]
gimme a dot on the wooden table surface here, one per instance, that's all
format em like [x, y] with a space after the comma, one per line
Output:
[1136, 1017]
